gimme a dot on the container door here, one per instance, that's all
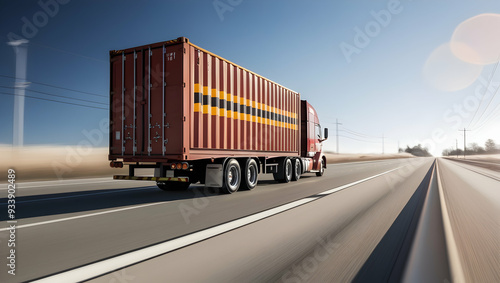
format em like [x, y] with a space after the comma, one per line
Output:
[129, 108]
[147, 102]
[122, 132]
[174, 98]
[163, 93]
[116, 98]
[155, 123]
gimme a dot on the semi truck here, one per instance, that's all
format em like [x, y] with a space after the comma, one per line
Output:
[192, 116]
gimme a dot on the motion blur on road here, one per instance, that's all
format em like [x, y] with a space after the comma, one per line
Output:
[412, 220]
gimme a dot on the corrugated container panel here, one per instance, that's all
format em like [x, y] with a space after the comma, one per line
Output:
[176, 100]
[235, 109]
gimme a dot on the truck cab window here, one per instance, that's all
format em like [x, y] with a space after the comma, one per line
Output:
[317, 131]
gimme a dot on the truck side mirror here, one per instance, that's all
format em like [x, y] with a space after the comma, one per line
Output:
[326, 134]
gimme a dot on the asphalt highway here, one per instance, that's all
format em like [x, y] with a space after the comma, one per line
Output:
[361, 222]
[473, 197]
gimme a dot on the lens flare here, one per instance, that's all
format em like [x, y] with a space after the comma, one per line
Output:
[476, 40]
[444, 71]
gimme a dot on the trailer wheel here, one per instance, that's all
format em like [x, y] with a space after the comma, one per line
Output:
[321, 169]
[297, 169]
[232, 177]
[250, 175]
[285, 171]
[173, 186]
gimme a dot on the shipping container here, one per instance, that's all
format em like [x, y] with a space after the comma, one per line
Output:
[193, 116]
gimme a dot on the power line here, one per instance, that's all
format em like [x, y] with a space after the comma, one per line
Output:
[46, 99]
[62, 51]
[360, 134]
[484, 95]
[67, 52]
[352, 133]
[487, 106]
[358, 139]
[59, 87]
[46, 93]
[491, 117]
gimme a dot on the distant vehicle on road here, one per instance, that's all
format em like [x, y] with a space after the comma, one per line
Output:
[194, 117]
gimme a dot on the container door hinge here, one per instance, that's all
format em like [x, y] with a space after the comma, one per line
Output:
[149, 149]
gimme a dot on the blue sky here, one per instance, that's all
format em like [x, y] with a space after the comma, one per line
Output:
[380, 90]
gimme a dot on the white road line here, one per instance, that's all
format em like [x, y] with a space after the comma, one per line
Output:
[453, 257]
[108, 265]
[29, 185]
[355, 183]
[82, 195]
[389, 161]
[95, 269]
[84, 216]
[478, 170]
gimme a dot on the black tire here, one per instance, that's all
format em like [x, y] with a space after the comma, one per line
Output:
[285, 171]
[232, 177]
[173, 186]
[321, 169]
[250, 175]
[288, 171]
[297, 169]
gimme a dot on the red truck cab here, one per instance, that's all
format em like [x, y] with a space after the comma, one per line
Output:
[312, 139]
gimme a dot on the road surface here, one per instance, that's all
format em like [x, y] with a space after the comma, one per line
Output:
[379, 221]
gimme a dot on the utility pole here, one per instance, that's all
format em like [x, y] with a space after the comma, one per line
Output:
[21, 49]
[337, 128]
[456, 140]
[465, 140]
[383, 144]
